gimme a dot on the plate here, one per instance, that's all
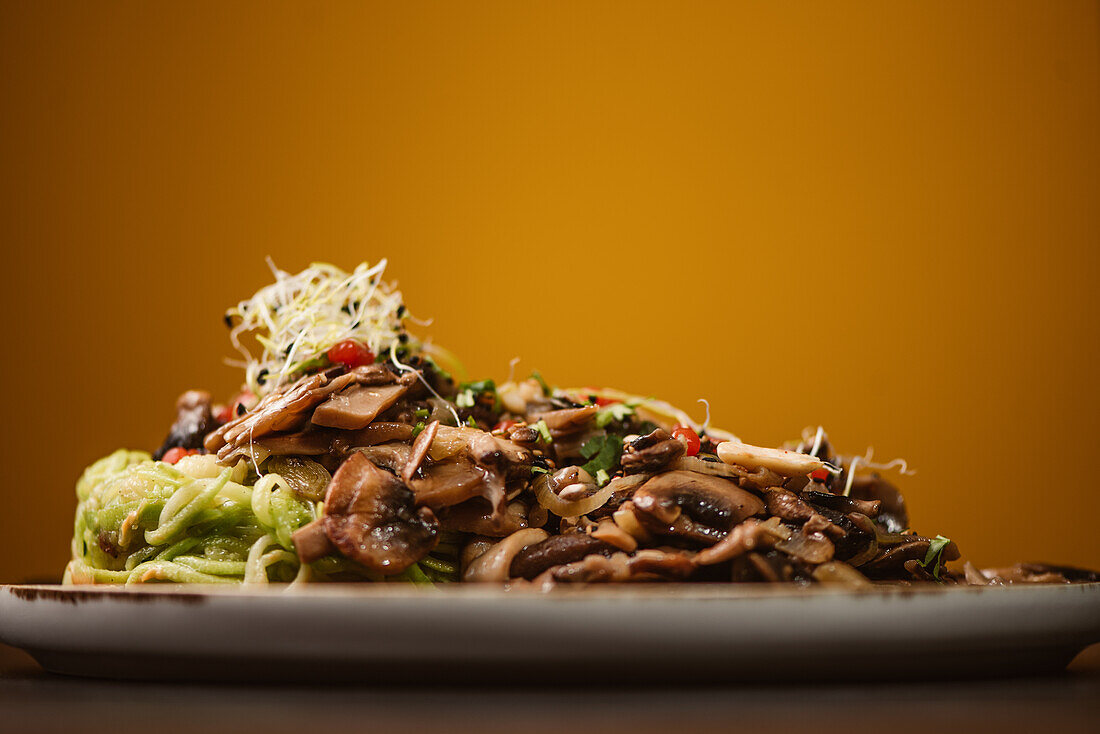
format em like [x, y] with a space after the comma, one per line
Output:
[394, 632]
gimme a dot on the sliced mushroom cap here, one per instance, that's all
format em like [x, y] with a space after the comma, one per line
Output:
[809, 546]
[890, 562]
[356, 406]
[379, 432]
[479, 517]
[697, 507]
[787, 505]
[1039, 573]
[892, 513]
[394, 455]
[840, 503]
[557, 550]
[651, 564]
[453, 481]
[566, 420]
[495, 563]
[419, 451]
[310, 442]
[193, 421]
[370, 518]
[285, 410]
[311, 542]
[744, 537]
[651, 453]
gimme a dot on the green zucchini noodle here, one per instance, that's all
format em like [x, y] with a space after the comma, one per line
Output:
[140, 521]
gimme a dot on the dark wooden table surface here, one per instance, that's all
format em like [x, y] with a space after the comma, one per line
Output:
[34, 701]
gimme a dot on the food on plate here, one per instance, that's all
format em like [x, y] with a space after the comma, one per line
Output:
[354, 453]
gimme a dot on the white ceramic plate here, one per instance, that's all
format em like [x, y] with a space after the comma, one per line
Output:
[656, 632]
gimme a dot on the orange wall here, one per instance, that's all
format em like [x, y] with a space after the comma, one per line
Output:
[878, 216]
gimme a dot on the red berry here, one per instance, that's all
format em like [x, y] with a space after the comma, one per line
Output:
[350, 353]
[688, 436]
[503, 426]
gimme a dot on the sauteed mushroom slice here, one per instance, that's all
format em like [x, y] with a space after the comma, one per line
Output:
[697, 507]
[841, 503]
[651, 453]
[557, 550]
[193, 421]
[567, 420]
[285, 410]
[477, 516]
[454, 481]
[370, 517]
[890, 563]
[495, 563]
[787, 505]
[355, 407]
[419, 451]
[892, 514]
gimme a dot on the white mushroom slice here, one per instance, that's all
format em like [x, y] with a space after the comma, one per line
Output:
[780, 461]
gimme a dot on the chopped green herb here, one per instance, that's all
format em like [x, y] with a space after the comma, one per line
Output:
[614, 412]
[535, 469]
[537, 376]
[603, 453]
[471, 422]
[316, 363]
[935, 553]
[468, 392]
[544, 432]
[602, 478]
[417, 429]
[423, 413]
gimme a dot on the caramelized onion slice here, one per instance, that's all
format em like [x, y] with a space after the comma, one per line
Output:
[305, 477]
[562, 508]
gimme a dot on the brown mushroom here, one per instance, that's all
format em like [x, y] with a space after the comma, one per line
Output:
[744, 537]
[892, 513]
[311, 542]
[285, 410]
[393, 455]
[454, 481]
[193, 421]
[479, 517]
[890, 562]
[419, 451]
[370, 517]
[379, 432]
[357, 405]
[495, 563]
[567, 420]
[787, 505]
[651, 453]
[557, 550]
[696, 507]
[651, 564]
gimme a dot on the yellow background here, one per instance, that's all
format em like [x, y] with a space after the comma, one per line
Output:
[878, 216]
